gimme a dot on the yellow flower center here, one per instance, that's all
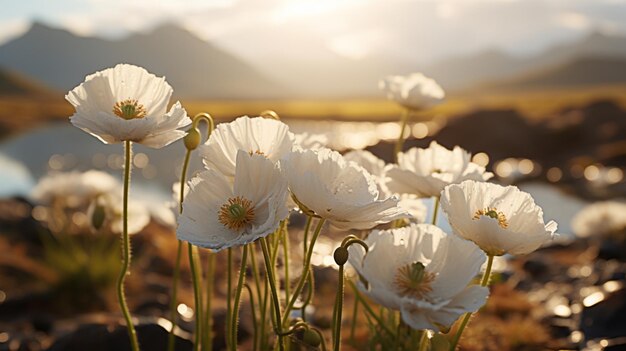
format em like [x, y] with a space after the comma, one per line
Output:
[412, 280]
[258, 152]
[493, 212]
[237, 213]
[129, 109]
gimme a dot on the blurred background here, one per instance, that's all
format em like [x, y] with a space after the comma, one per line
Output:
[536, 90]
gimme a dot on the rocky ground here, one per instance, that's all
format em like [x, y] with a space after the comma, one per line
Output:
[568, 296]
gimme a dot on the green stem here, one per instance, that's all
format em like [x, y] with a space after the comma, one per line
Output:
[126, 250]
[435, 210]
[305, 272]
[484, 282]
[310, 287]
[423, 341]
[355, 311]
[255, 323]
[338, 309]
[369, 309]
[274, 291]
[257, 283]
[285, 240]
[235, 316]
[400, 142]
[229, 289]
[207, 341]
[173, 301]
[197, 293]
[305, 237]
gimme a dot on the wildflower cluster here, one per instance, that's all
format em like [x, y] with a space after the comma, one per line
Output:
[257, 172]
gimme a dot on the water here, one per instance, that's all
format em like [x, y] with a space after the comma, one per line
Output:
[25, 158]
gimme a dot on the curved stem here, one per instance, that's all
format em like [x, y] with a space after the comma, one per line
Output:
[197, 294]
[337, 311]
[274, 291]
[170, 338]
[435, 210]
[235, 311]
[400, 142]
[305, 271]
[181, 198]
[484, 282]
[126, 250]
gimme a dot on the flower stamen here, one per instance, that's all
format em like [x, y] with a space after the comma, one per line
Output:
[412, 280]
[493, 212]
[257, 152]
[237, 213]
[129, 109]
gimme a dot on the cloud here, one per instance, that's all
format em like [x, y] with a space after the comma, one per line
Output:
[12, 28]
[573, 20]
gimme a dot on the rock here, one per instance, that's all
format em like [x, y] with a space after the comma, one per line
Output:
[605, 319]
[99, 337]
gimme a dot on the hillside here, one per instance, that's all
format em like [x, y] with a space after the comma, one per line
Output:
[13, 84]
[195, 68]
[584, 71]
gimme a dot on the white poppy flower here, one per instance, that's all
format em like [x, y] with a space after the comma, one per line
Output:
[422, 272]
[258, 135]
[307, 140]
[378, 169]
[600, 218]
[425, 172]
[127, 103]
[499, 219]
[219, 213]
[372, 164]
[342, 192]
[414, 91]
[112, 206]
[414, 206]
[74, 189]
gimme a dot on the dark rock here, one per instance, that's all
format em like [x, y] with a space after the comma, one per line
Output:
[98, 337]
[43, 322]
[611, 250]
[607, 318]
[536, 266]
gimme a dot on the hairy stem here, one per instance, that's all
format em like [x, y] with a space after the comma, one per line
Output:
[126, 250]
[235, 311]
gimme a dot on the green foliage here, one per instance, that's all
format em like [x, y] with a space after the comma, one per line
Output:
[86, 266]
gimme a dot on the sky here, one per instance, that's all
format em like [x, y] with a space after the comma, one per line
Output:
[424, 30]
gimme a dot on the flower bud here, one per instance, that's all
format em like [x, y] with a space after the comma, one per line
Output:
[192, 139]
[98, 216]
[311, 338]
[341, 255]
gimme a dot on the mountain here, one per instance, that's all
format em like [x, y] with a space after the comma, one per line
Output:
[195, 68]
[469, 71]
[12, 84]
[584, 71]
